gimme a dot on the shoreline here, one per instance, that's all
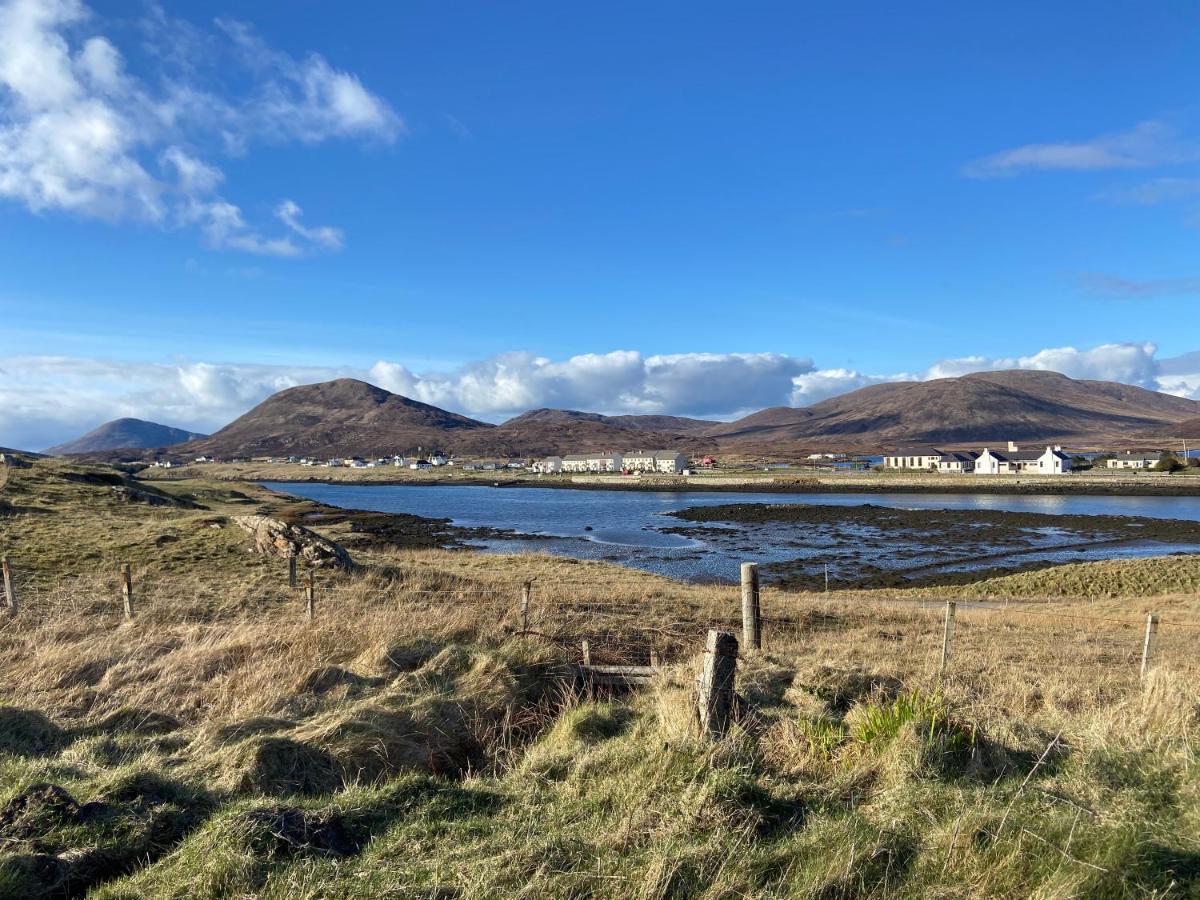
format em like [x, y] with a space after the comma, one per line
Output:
[1168, 486]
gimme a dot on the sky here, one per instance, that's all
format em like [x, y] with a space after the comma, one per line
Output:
[693, 208]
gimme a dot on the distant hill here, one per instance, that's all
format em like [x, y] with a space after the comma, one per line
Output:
[547, 431]
[1014, 405]
[1189, 428]
[338, 418]
[119, 434]
[348, 417]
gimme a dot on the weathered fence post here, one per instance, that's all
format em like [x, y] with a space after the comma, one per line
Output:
[587, 653]
[751, 611]
[310, 597]
[292, 571]
[526, 591]
[127, 590]
[947, 635]
[10, 593]
[655, 662]
[717, 683]
[1148, 643]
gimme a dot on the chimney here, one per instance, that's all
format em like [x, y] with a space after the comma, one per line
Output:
[1012, 447]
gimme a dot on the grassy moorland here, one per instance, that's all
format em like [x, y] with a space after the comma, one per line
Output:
[413, 741]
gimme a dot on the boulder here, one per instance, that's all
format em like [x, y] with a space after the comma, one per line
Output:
[273, 537]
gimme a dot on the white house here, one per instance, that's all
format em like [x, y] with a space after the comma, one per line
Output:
[913, 458]
[420, 464]
[670, 462]
[1134, 461]
[549, 465]
[957, 462]
[592, 462]
[438, 459]
[638, 461]
[1051, 461]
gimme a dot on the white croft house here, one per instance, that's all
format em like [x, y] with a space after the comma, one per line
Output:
[1134, 461]
[592, 462]
[1051, 461]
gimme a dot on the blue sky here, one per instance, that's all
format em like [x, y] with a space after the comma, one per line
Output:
[679, 207]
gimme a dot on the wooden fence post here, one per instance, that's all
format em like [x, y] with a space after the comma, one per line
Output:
[292, 571]
[10, 593]
[947, 635]
[1148, 643]
[655, 662]
[526, 591]
[127, 590]
[310, 597]
[751, 611]
[717, 680]
[587, 653]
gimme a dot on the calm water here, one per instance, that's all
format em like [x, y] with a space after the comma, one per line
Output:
[627, 526]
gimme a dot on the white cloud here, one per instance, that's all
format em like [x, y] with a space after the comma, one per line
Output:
[46, 400]
[79, 134]
[1150, 143]
[289, 213]
[1131, 363]
[822, 384]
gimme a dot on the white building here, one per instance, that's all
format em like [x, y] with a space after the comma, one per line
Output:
[592, 462]
[957, 462]
[913, 458]
[639, 461]
[1051, 461]
[669, 462]
[549, 466]
[1134, 461]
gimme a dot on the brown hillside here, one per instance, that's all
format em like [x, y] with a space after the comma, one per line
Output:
[336, 418]
[988, 406]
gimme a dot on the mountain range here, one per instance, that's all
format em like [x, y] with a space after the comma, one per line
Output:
[348, 417]
[125, 434]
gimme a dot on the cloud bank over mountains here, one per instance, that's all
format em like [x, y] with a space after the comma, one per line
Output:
[81, 133]
[45, 400]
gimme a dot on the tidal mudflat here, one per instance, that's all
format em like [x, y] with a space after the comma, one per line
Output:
[876, 546]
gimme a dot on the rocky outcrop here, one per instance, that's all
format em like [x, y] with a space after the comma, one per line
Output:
[273, 537]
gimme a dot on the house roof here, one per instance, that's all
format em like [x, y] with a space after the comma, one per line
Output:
[960, 456]
[917, 451]
[582, 457]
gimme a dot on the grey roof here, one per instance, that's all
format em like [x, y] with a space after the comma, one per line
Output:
[960, 456]
[917, 451]
[582, 457]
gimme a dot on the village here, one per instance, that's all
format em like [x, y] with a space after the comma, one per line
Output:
[1011, 459]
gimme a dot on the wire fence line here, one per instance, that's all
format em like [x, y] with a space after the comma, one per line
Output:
[667, 624]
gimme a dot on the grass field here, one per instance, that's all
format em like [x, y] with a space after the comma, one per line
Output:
[413, 740]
